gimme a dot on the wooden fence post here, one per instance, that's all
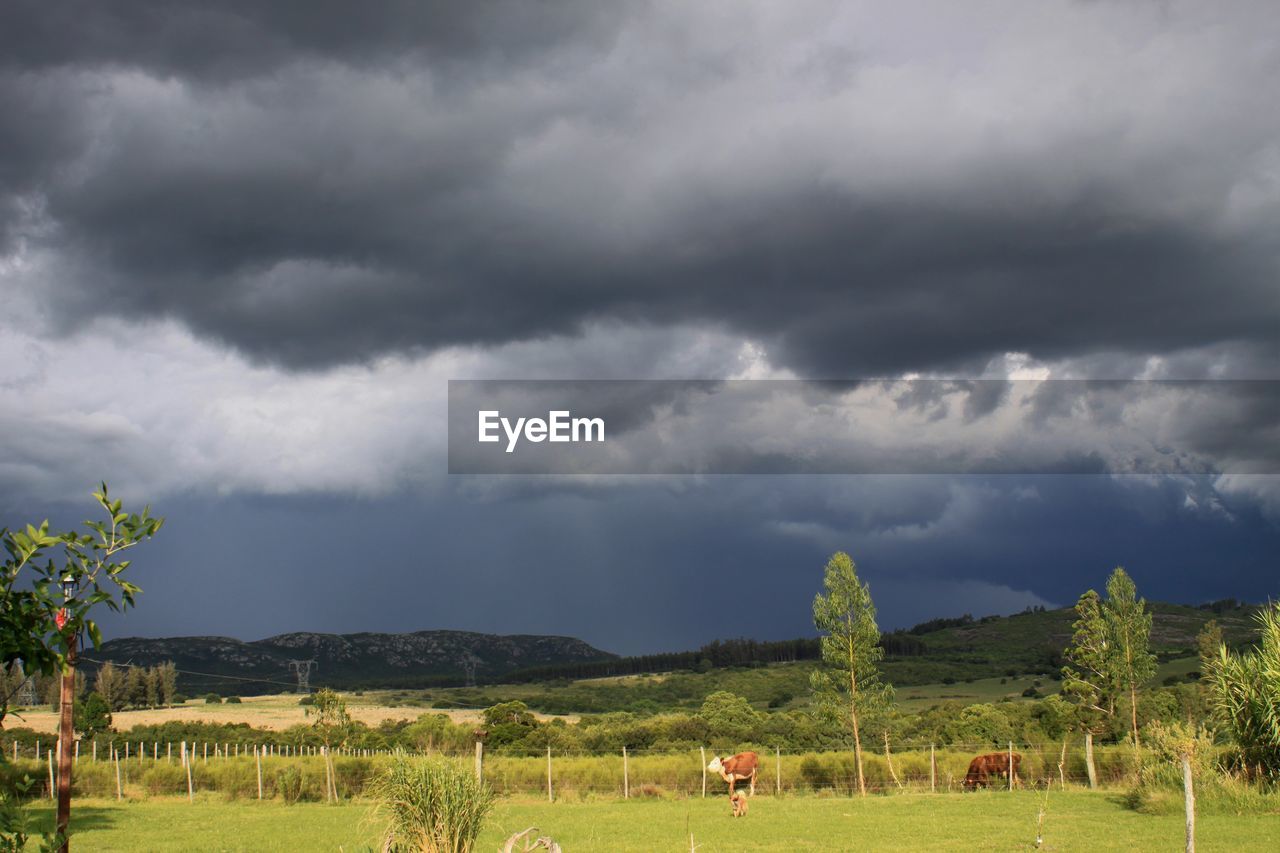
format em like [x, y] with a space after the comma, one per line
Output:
[257, 753]
[1189, 803]
[95, 750]
[550, 796]
[1088, 760]
[626, 776]
[702, 750]
[53, 787]
[328, 776]
[115, 754]
[777, 767]
[1010, 768]
[479, 761]
[933, 771]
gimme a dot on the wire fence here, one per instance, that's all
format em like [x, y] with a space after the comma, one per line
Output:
[136, 768]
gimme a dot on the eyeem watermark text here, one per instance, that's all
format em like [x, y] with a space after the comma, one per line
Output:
[559, 426]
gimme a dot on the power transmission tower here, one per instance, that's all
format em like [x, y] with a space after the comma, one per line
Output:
[469, 661]
[302, 669]
[27, 692]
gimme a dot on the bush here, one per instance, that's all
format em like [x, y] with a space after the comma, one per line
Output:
[307, 700]
[163, 779]
[430, 805]
[1245, 694]
[232, 700]
[289, 784]
[212, 699]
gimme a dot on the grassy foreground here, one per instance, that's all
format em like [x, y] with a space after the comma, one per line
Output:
[1075, 820]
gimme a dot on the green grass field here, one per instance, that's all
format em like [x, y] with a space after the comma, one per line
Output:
[760, 685]
[1074, 820]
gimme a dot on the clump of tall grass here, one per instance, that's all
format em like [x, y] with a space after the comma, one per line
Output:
[1244, 690]
[431, 806]
[1218, 790]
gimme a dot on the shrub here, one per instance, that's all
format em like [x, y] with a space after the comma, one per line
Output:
[232, 700]
[307, 700]
[289, 784]
[212, 699]
[163, 779]
[430, 805]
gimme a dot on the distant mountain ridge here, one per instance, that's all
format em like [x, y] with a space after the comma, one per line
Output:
[366, 659]
[933, 651]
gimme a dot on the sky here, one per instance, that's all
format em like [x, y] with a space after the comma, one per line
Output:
[244, 247]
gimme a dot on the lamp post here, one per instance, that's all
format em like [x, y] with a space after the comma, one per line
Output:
[66, 730]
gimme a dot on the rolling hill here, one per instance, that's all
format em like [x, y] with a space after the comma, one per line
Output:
[941, 651]
[227, 665]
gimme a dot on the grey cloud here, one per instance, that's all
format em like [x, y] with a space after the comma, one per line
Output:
[635, 570]
[343, 196]
[917, 426]
[232, 39]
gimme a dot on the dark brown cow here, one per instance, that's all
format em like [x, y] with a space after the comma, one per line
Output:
[983, 767]
[737, 768]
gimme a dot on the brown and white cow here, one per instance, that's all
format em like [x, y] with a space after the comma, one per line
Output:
[737, 768]
[983, 767]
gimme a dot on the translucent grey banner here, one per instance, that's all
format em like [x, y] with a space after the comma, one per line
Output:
[916, 426]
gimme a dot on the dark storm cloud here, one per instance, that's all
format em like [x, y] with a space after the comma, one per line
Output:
[315, 187]
[637, 570]
[232, 39]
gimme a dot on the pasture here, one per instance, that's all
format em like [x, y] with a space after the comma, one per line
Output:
[272, 712]
[1073, 820]
[777, 686]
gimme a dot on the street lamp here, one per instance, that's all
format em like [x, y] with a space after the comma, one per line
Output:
[66, 730]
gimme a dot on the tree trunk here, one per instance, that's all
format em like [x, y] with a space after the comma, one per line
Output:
[853, 716]
[1133, 710]
[888, 760]
[1088, 760]
[857, 753]
[67, 736]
